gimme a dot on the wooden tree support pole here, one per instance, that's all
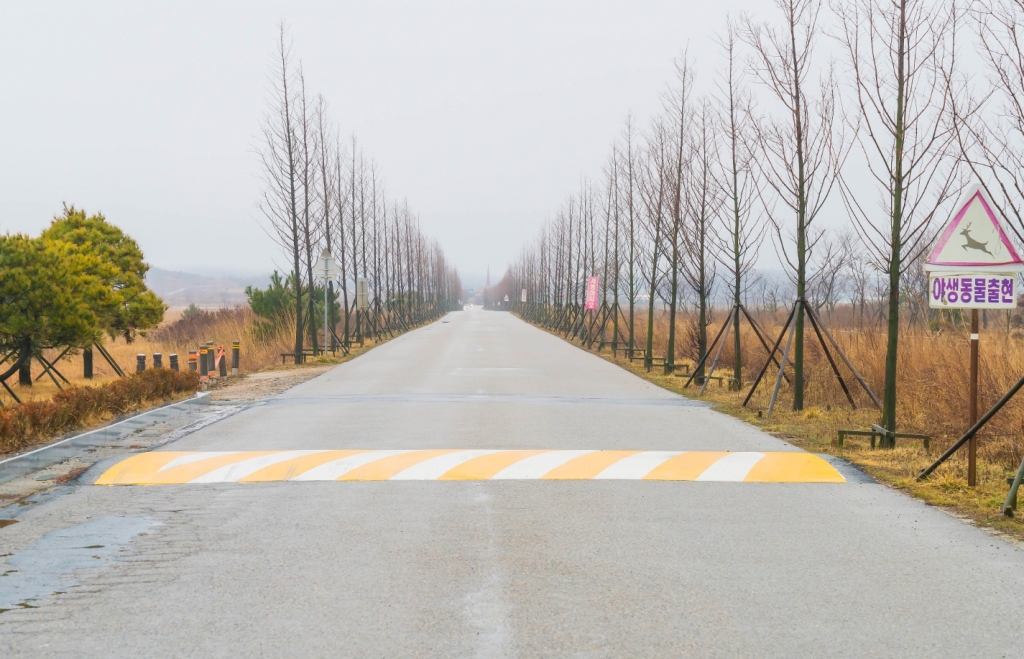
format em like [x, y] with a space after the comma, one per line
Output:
[707, 353]
[832, 362]
[846, 359]
[762, 336]
[973, 429]
[711, 371]
[10, 391]
[771, 356]
[51, 365]
[48, 369]
[782, 369]
[110, 360]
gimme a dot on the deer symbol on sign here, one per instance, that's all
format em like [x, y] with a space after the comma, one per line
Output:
[972, 243]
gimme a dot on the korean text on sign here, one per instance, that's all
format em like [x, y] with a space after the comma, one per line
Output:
[974, 291]
[591, 301]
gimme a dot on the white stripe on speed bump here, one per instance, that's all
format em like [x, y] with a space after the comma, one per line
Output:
[218, 467]
[193, 457]
[536, 466]
[335, 469]
[732, 467]
[434, 468]
[236, 471]
[637, 465]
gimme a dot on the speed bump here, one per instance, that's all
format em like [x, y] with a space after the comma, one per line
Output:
[172, 467]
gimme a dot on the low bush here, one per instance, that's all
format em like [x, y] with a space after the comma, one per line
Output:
[77, 407]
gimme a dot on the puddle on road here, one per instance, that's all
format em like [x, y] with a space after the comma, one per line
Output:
[47, 567]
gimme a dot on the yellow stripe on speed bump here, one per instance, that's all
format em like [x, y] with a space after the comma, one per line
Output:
[167, 467]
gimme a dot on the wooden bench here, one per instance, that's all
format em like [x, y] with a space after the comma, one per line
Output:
[879, 433]
[306, 352]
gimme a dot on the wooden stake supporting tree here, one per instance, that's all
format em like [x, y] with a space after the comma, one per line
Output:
[822, 333]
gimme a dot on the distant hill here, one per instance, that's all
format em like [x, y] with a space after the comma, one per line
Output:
[180, 289]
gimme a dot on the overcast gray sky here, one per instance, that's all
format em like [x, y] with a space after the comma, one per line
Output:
[484, 115]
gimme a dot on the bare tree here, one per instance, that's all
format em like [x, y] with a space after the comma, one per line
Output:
[655, 189]
[629, 171]
[741, 233]
[989, 126]
[799, 151]
[307, 179]
[899, 53]
[280, 153]
[677, 106]
[704, 203]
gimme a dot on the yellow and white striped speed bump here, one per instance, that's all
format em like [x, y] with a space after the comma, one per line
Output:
[167, 467]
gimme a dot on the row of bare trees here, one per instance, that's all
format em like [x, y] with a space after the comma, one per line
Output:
[685, 205]
[322, 195]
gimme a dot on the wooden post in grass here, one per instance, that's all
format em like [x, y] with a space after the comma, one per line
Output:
[972, 445]
[974, 265]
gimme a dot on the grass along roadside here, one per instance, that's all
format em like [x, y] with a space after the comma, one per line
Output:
[81, 408]
[815, 429]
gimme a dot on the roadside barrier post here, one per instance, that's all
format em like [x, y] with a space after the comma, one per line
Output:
[202, 362]
[235, 349]
[87, 363]
[158, 360]
[174, 361]
[193, 360]
[211, 364]
[223, 362]
[140, 362]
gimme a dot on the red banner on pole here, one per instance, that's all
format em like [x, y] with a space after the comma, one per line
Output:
[591, 304]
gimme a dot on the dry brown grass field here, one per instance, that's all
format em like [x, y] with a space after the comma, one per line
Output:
[932, 399]
[261, 348]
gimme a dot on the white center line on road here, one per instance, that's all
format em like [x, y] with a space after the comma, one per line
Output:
[338, 468]
[733, 467]
[536, 466]
[637, 466]
[434, 468]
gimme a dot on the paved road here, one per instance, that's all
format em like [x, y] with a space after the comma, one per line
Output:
[499, 568]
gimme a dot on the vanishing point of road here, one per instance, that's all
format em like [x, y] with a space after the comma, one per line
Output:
[480, 488]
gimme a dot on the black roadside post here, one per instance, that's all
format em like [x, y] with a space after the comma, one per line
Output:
[140, 362]
[211, 364]
[87, 363]
[236, 347]
[223, 364]
[174, 361]
[193, 360]
[202, 362]
[158, 360]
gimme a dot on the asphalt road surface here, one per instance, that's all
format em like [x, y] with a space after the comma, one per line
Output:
[513, 566]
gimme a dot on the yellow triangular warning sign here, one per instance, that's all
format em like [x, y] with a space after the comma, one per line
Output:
[975, 238]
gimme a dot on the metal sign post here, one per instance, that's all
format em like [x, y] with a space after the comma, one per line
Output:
[362, 294]
[327, 270]
[973, 266]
